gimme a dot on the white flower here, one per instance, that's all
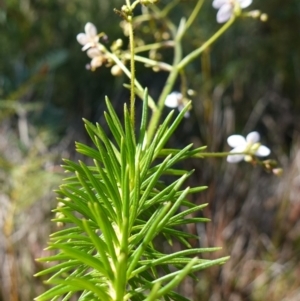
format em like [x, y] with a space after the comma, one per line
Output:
[226, 8]
[173, 100]
[249, 145]
[176, 100]
[89, 38]
[97, 57]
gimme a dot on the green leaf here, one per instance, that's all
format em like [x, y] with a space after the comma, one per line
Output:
[168, 133]
[107, 229]
[101, 247]
[56, 291]
[100, 189]
[143, 126]
[152, 231]
[65, 265]
[84, 284]
[111, 189]
[83, 257]
[129, 140]
[136, 193]
[153, 180]
[114, 117]
[88, 151]
[175, 280]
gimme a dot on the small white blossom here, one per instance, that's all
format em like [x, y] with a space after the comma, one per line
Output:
[173, 100]
[97, 58]
[226, 8]
[89, 38]
[250, 145]
[176, 100]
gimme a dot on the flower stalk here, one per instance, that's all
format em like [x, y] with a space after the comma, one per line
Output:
[128, 13]
[178, 65]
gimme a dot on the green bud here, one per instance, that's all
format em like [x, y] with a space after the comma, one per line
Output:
[125, 10]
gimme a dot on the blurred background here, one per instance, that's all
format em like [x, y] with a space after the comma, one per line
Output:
[248, 80]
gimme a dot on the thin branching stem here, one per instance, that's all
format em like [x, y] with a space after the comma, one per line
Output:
[166, 90]
[157, 45]
[193, 15]
[194, 54]
[151, 63]
[178, 65]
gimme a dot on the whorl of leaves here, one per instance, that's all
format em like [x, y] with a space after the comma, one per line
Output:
[114, 209]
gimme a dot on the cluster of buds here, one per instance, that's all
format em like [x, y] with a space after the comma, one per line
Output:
[272, 166]
[257, 14]
[59, 215]
[96, 51]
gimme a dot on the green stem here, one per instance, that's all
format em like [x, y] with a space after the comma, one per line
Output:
[138, 86]
[194, 54]
[161, 65]
[193, 15]
[169, 7]
[166, 90]
[217, 155]
[154, 46]
[200, 154]
[132, 69]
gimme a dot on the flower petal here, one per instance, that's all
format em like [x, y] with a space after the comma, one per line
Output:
[224, 13]
[236, 158]
[82, 38]
[96, 62]
[236, 140]
[244, 3]
[90, 29]
[253, 137]
[173, 99]
[93, 52]
[219, 3]
[263, 151]
[87, 46]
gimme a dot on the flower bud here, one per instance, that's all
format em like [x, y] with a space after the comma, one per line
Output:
[126, 10]
[255, 14]
[277, 171]
[116, 70]
[264, 17]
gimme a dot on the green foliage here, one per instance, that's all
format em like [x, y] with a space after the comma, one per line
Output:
[115, 208]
